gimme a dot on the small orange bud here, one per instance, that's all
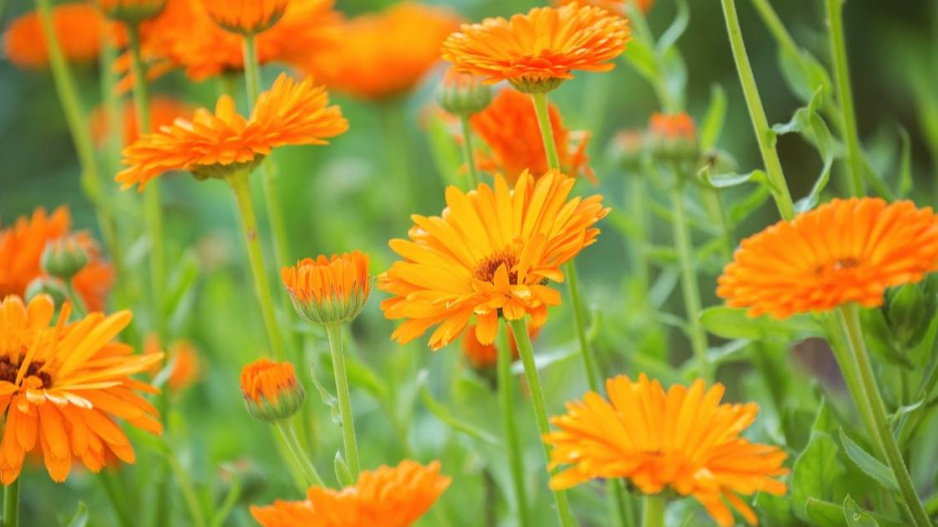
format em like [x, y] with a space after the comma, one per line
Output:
[329, 290]
[673, 137]
[271, 391]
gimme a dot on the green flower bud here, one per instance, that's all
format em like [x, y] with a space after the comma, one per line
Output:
[63, 258]
[463, 94]
[47, 285]
[673, 138]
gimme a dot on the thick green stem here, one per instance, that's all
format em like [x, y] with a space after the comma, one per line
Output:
[345, 398]
[526, 350]
[845, 95]
[11, 504]
[773, 166]
[241, 185]
[506, 395]
[872, 400]
[682, 243]
[467, 147]
[653, 510]
[547, 132]
[300, 460]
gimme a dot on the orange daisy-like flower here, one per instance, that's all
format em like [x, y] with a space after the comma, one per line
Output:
[218, 145]
[329, 290]
[163, 112]
[616, 6]
[246, 17]
[62, 386]
[79, 28]
[384, 54]
[843, 251]
[21, 247]
[270, 389]
[537, 51]
[389, 497]
[182, 355]
[490, 253]
[681, 440]
[131, 11]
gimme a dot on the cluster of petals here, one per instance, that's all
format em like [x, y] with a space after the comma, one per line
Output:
[182, 359]
[246, 17]
[79, 28]
[163, 112]
[329, 289]
[616, 6]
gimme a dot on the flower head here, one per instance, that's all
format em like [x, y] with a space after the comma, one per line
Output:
[673, 137]
[21, 248]
[130, 11]
[844, 251]
[62, 386]
[181, 356]
[681, 440]
[329, 290]
[537, 51]
[217, 145]
[389, 497]
[79, 28]
[245, 17]
[490, 253]
[616, 6]
[63, 258]
[271, 391]
[463, 93]
[163, 112]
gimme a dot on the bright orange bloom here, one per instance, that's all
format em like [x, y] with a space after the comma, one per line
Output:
[537, 51]
[21, 247]
[385, 54]
[247, 17]
[79, 28]
[386, 497]
[217, 145]
[163, 112]
[270, 389]
[182, 355]
[329, 290]
[682, 440]
[616, 6]
[843, 251]
[490, 253]
[672, 126]
[62, 386]
[131, 11]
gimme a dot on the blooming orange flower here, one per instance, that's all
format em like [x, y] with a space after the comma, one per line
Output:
[537, 51]
[490, 253]
[843, 251]
[384, 54]
[80, 29]
[616, 6]
[163, 112]
[270, 389]
[21, 247]
[681, 440]
[217, 145]
[61, 387]
[389, 497]
[131, 11]
[184, 359]
[329, 289]
[247, 17]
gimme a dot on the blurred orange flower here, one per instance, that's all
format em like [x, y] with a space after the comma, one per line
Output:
[489, 254]
[389, 497]
[844, 251]
[62, 386]
[163, 112]
[246, 17]
[672, 126]
[616, 6]
[536, 51]
[381, 55]
[682, 440]
[184, 359]
[329, 290]
[80, 30]
[21, 247]
[216, 145]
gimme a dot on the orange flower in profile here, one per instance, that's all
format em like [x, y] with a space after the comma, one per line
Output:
[681, 440]
[615, 6]
[130, 11]
[843, 251]
[62, 387]
[246, 17]
[183, 358]
[537, 51]
[490, 254]
[215, 146]
[270, 389]
[329, 290]
[382, 55]
[163, 112]
[389, 497]
[79, 28]
[21, 247]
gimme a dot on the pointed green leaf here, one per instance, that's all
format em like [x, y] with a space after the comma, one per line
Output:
[816, 473]
[855, 516]
[870, 466]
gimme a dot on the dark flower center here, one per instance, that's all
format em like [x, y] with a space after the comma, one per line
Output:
[9, 369]
[488, 266]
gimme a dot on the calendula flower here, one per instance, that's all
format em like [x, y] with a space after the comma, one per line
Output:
[245, 17]
[382, 55]
[844, 251]
[386, 497]
[681, 440]
[490, 253]
[329, 290]
[130, 11]
[63, 385]
[271, 391]
[181, 356]
[615, 6]
[163, 112]
[673, 137]
[79, 28]
[21, 248]
[220, 144]
[537, 51]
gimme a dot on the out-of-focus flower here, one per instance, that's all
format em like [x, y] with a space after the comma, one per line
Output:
[163, 112]
[844, 251]
[616, 6]
[682, 440]
[485, 356]
[673, 137]
[627, 148]
[463, 93]
[329, 290]
[220, 144]
[182, 356]
[130, 11]
[271, 391]
[245, 17]
[62, 386]
[79, 28]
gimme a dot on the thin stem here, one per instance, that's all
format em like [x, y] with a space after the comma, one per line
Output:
[241, 186]
[506, 395]
[188, 491]
[636, 210]
[760, 124]
[78, 306]
[653, 510]
[845, 95]
[11, 504]
[850, 320]
[300, 460]
[623, 515]
[114, 493]
[526, 350]
[345, 400]
[467, 151]
[717, 212]
[547, 132]
[689, 287]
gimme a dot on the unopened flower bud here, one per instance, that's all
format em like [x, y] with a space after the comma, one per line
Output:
[673, 138]
[271, 391]
[131, 12]
[47, 285]
[63, 258]
[463, 93]
[329, 290]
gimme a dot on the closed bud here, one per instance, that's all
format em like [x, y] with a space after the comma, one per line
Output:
[627, 149]
[673, 138]
[63, 258]
[463, 94]
[329, 290]
[271, 391]
[131, 12]
[47, 285]
[909, 312]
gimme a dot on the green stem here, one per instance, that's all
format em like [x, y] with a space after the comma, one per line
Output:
[717, 212]
[467, 151]
[845, 95]
[526, 350]
[114, 493]
[188, 491]
[241, 185]
[11, 504]
[653, 511]
[300, 459]
[547, 132]
[399, 180]
[670, 102]
[345, 399]
[622, 513]
[78, 306]
[506, 393]
[773, 166]
[689, 287]
[873, 401]
[639, 242]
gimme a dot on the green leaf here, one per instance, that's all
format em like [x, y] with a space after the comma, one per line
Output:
[816, 473]
[327, 398]
[181, 287]
[730, 179]
[342, 473]
[671, 35]
[732, 323]
[870, 466]
[642, 57]
[712, 125]
[79, 519]
[745, 206]
[824, 514]
[905, 164]
[803, 73]
[446, 416]
[855, 516]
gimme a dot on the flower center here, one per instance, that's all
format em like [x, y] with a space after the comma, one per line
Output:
[488, 266]
[9, 370]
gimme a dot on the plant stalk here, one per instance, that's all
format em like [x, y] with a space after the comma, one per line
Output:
[845, 95]
[653, 511]
[506, 396]
[11, 504]
[467, 147]
[300, 461]
[345, 399]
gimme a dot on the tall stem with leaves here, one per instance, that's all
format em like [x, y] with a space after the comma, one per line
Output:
[689, 286]
[845, 95]
[345, 398]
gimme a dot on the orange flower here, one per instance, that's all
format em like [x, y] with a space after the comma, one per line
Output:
[483, 356]
[843, 251]
[62, 386]
[329, 290]
[389, 497]
[246, 17]
[270, 389]
[385, 54]
[130, 11]
[490, 253]
[21, 247]
[510, 129]
[682, 440]
[79, 28]
[673, 126]
[537, 51]
[184, 359]
[218, 145]
[615, 6]
[163, 112]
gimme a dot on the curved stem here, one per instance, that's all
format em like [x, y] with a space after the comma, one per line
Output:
[11, 504]
[474, 179]
[506, 395]
[526, 350]
[547, 132]
[845, 95]
[682, 243]
[653, 511]
[300, 460]
[345, 399]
